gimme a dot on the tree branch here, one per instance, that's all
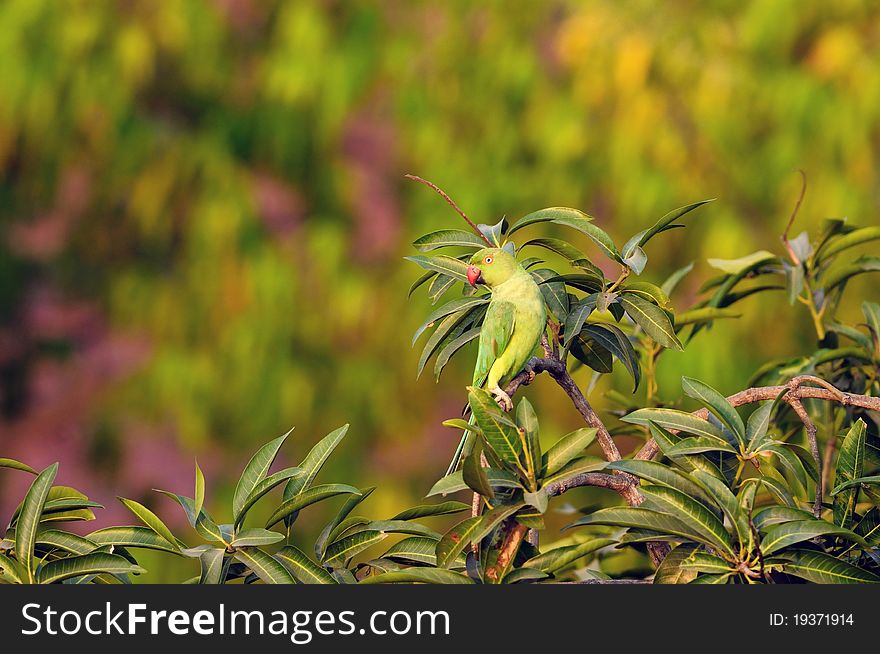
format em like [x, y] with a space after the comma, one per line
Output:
[452, 204]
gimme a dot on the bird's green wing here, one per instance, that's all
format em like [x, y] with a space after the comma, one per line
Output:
[494, 337]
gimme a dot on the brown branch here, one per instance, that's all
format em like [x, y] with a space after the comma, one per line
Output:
[810, 426]
[796, 391]
[452, 204]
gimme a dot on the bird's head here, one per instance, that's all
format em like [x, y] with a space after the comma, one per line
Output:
[491, 266]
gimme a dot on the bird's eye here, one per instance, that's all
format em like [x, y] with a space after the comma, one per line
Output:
[488, 260]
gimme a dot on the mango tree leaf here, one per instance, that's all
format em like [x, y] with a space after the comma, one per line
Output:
[264, 487]
[553, 292]
[672, 282]
[350, 504]
[869, 480]
[12, 464]
[418, 576]
[527, 420]
[254, 472]
[615, 341]
[499, 432]
[264, 566]
[717, 404]
[557, 215]
[576, 467]
[455, 482]
[559, 558]
[451, 307]
[64, 540]
[314, 461]
[560, 247]
[703, 315]
[577, 316]
[728, 503]
[850, 465]
[781, 536]
[428, 510]
[690, 512]
[211, 565]
[29, 518]
[775, 515]
[255, 537]
[639, 518]
[566, 449]
[344, 549]
[493, 518]
[700, 444]
[657, 473]
[840, 275]
[474, 475]
[821, 568]
[150, 519]
[93, 563]
[652, 319]
[671, 571]
[307, 498]
[302, 567]
[736, 266]
[135, 537]
[450, 546]
[447, 238]
[452, 347]
[665, 222]
[199, 496]
[442, 264]
[840, 243]
[674, 419]
[707, 563]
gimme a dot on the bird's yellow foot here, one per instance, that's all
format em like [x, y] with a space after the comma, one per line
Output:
[502, 398]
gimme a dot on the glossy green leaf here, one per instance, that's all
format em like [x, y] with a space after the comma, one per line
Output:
[499, 432]
[674, 419]
[417, 549]
[343, 550]
[453, 306]
[150, 519]
[703, 315]
[474, 475]
[255, 537]
[671, 571]
[658, 473]
[418, 576]
[65, 541]
[559, 558]
[265, 486]
[453, 542]
[455, 482]
[737, 266]
[211, 565]
[850, 466]
[428, 510]
[821, 568]
[302, 567]
[567, 448]
[264, 566]
[314, 461]
[93, 563]
[700, 444]
[717, 404]
[327, 534]
[442, 264]
[652, 319]
[690, 512]
[527, 420]
[254, 472]
[840, 243]
[707, 563]
[29, 518]
[307, 498]
[783, 535]
[135, 537]
[667, 220]
[448, 238]
[638, 518]
[12, 464]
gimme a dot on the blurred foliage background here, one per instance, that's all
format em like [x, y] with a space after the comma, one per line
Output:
[203, 212]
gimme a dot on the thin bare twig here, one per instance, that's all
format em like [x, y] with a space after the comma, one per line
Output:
[452, 204]
[810, 426]
[794, 258]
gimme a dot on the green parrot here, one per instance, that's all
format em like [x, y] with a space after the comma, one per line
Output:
[512, 328]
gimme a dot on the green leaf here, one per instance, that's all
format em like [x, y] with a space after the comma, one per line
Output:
[29, 518]
[839, 275]
[840, 243]
[671, 571]
[566, 449]
[136, 537]
[672, 282]
[666, 440]
[576, 467]
[302, 567]
[615, 341]
[774, 515]
[563, 248]
[717, 404]
[666, 221]
[850, 465]
[254, 537]
[657, 473]
[494, 232]
[94, 563]
[202, 522]
[12, 464]
[674, 419]
[712, 579]
[450, 546]
[559, 558]
[419, 549]
[647, 291]
[264, 566]
[427, 510]
[446, 327]
[652, 319]
[211, 565]
[150, 519]
[700, 444]
[418, 576]
[591, 353]
[447, 238]
[347, 547]
[254, 472]
[493, 518]
[869, 480]
[553, 292]
[736, 266]
[199, 497]
[313, 462]
[451, 307]
[307, 498]
[264, 487]
[527, 420]
[636, 261]
[402, 527]
[499, 432]
[821, 568]
[781, 536]
[328, 534]
[474, 474]
[524, 575]
[557, 215]
[65, 541]
[639, 518]
[703, 562]
[455, 482]
[728, 503]
[577, 316]
[442, 264]
[691, 513]
[790, 462]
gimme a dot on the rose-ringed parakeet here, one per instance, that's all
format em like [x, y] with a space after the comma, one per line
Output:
[511, 330]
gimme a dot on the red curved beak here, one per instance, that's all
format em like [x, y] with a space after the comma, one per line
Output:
[474, 275]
